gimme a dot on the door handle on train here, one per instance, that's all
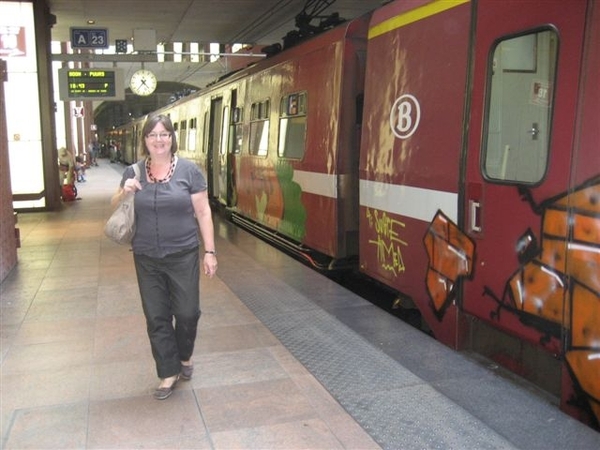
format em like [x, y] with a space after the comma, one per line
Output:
[534, 131]
[474, 216]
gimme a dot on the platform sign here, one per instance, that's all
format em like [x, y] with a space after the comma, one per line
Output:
[89, 37]
[91, 84]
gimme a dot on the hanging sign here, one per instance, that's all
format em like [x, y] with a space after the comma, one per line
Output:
[89, 37]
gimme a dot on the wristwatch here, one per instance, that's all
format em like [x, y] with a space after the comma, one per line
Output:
[211, 252]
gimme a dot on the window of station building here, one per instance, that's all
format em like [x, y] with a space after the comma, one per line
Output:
[292, 126]
[259, 128]
[192, 133]
[236, 130]
[182, 142]
[522, 72]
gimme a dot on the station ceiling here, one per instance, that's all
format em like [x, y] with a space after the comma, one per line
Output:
[254, 22]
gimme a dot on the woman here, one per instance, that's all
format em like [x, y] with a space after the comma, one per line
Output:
[171, 201]
[66, 164]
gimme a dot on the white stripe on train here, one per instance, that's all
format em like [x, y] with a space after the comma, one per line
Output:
[417, 203]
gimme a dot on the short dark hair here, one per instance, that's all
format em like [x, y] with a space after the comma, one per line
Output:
[149, 125]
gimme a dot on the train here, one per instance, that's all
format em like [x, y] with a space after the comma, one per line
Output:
[448, 150]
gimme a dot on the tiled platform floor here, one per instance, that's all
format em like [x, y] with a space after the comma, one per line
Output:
[76, 368]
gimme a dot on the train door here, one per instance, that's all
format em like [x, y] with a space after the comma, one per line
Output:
[214, 146]
[223, 178]
[217, 157]
[526, 60]
[234, 149]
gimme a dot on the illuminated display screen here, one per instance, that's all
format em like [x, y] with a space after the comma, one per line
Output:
[91, 84]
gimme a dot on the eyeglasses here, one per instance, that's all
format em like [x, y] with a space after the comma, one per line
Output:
[158, 135]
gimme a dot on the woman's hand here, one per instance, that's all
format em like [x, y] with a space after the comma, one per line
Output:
[210, 264]
[131, 185]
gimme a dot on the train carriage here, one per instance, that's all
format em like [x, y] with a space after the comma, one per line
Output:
[415, 93]
[467, 154]
[297, 176]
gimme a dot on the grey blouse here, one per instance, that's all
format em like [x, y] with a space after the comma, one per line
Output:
[164, 215]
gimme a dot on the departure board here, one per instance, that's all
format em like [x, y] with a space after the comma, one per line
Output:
[91, 84]
[94, 83]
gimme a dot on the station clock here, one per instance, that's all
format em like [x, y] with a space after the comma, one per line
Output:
[143, 82]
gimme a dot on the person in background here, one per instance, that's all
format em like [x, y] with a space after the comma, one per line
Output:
[93, 153]
[112, 151]
[118, 156]
[80, 168]
[171, 204]
[66, 166]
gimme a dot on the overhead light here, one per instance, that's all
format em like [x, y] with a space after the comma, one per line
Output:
[91, 22]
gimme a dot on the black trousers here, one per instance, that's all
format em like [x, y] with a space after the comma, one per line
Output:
[170, 291]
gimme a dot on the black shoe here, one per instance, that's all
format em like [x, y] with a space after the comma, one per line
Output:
[162, 393]
[187, 372]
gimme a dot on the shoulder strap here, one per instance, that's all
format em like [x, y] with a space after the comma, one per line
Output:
[136, 169]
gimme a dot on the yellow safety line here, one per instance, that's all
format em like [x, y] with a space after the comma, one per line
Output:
[414, 15]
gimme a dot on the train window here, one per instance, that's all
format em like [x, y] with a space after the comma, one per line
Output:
[259, 137]
[236, 117]
[265, 109]
[176, 132]
[224, 131]
[236, 130]
[205, 132]
[292, 126]
[519, 109]
[259, 128]
[192, 135]
[182, 142]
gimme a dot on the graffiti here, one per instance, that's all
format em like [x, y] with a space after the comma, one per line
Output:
[556, 288]
[293, 221]
[388, 242]
[450, 253]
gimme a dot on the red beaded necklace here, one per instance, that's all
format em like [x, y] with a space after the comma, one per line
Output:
[167, 177]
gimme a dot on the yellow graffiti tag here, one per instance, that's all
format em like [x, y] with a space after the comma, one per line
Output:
[388, 242]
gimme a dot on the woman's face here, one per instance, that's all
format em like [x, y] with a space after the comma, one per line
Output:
[158, 141]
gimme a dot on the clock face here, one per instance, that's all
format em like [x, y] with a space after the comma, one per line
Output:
[143, 82]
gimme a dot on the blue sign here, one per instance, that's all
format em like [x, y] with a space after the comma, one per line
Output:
[89, 38]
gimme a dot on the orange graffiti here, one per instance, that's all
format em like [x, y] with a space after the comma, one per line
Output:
[450, 254]
[562, 285]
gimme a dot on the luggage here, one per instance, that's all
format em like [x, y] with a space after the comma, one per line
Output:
[69, 192]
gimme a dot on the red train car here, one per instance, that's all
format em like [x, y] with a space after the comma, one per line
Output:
[298, 175]
[479, 180]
